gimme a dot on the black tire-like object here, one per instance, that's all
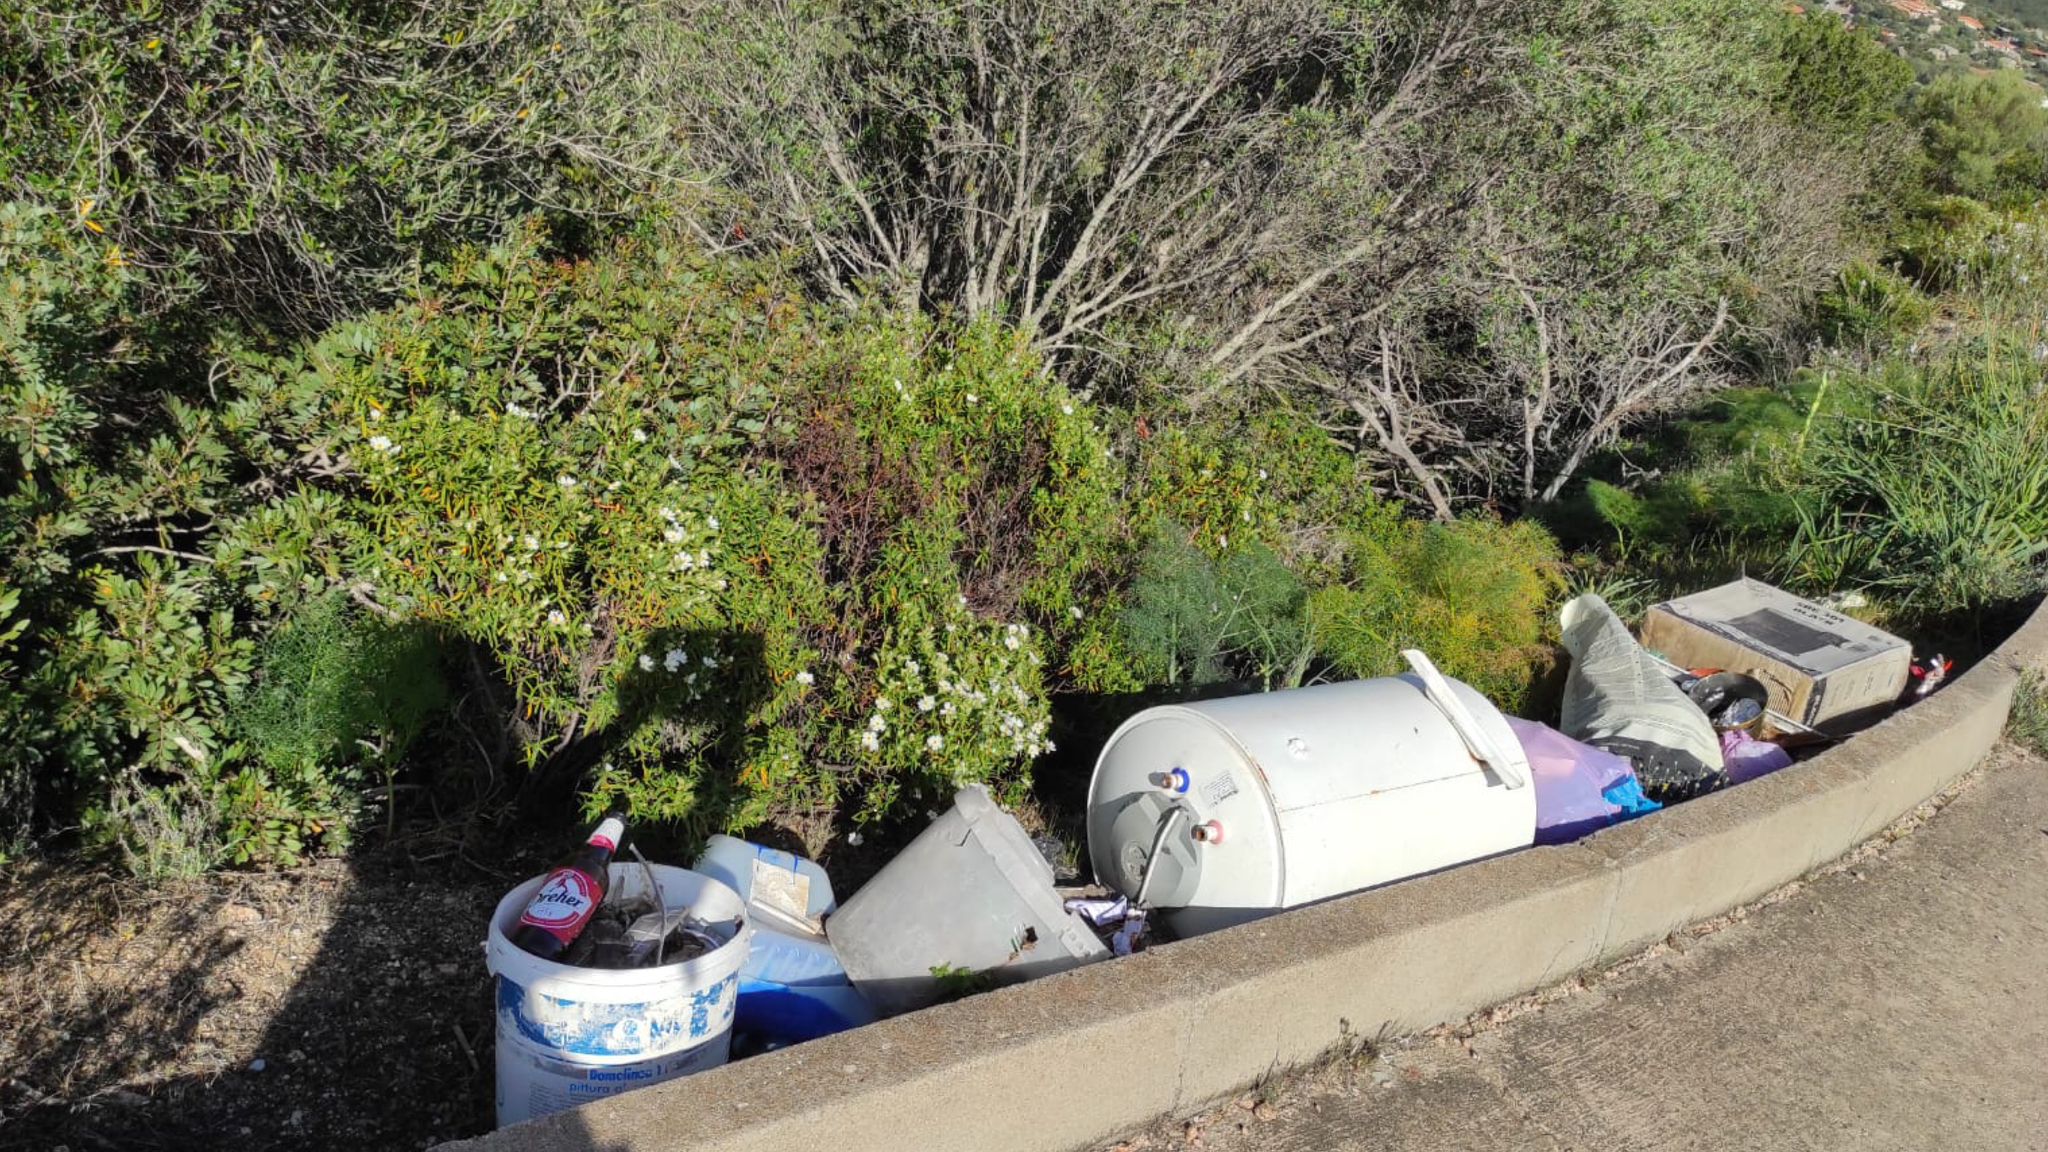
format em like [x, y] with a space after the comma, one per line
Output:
[1668, 776]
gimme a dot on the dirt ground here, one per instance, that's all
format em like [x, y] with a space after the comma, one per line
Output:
[339, 1006]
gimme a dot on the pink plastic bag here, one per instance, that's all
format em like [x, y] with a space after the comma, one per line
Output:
[1579, 788]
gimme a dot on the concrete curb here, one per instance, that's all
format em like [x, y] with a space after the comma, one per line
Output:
[1076, 1058]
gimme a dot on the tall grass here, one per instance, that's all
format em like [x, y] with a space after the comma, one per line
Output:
[1933, 487]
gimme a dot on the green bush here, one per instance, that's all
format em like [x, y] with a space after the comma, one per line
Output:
[1474, 595]
[292, 161]
[1194, 618]
[742, 595]
[1265, 473]
[140, 683]
[1871, 306]
[21, 730]
[1985, 136]
[179, 185]
[336, 696]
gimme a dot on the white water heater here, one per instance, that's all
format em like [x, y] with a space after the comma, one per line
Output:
[1226, 810]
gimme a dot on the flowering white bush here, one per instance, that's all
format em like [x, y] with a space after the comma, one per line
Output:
[958, 701]
[743, 599]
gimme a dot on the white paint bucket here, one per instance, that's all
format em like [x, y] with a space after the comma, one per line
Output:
[567, 1036]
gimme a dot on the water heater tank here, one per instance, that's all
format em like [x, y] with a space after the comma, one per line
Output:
[1226, 810]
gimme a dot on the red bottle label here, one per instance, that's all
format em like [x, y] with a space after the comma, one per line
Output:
[565, 900]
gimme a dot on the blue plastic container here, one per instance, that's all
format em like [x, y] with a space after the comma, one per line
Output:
[792, 988]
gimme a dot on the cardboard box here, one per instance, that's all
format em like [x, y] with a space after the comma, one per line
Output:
[1823, 669]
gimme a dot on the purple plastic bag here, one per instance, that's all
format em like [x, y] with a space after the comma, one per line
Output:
[1572, 780]
[1748, 757]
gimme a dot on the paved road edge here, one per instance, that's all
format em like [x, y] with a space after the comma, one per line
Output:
[1073, 1059]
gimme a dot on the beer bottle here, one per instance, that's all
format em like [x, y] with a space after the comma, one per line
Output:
[563, 905]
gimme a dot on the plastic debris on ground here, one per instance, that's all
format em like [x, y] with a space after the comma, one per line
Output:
[632, 933]
[1579, 788]
[1748, 757]
[792, 987]
[1618, 698]
[1121, 926]
[1929, 674]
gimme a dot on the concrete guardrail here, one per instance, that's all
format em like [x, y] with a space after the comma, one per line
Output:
[1077, 1058]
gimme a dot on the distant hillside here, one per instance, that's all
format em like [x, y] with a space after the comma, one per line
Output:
[1981, 36]
[2032, 13]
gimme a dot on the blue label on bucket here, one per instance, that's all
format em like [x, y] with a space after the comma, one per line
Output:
[598, 1028]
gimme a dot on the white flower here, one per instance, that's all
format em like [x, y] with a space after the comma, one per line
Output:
[926, 704]
[912, 667]
[376, 414]
[673, 536]
[872, 743]
[881, 703]
[1222, 541]
[934, 742]
[710, 661]
[1068, 409]
[502, 577]
[566, 482]
[383, 444]
[532, 543]
[973, 399]
[805, 678]
[711, 522]
[876, 724]
[1262, 473]
[1011, 642]
[666, 513]
[512, 409]
[853, 838]
[556, 618]
[675, 659]
[1050, 746]
[639, 436]
[646, 662]
[1075, 612]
